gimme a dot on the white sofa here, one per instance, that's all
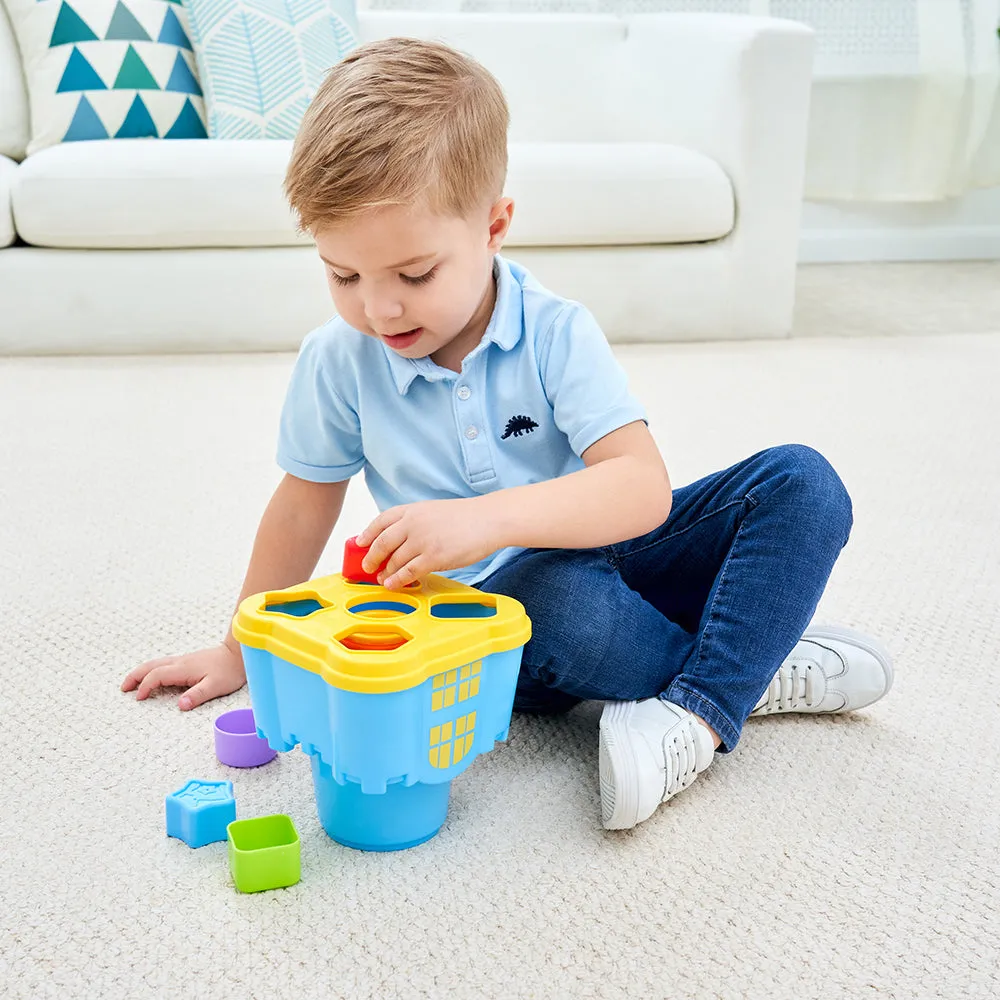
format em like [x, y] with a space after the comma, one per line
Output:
[656, 162]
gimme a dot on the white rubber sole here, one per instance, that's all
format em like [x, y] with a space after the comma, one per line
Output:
[619, 769]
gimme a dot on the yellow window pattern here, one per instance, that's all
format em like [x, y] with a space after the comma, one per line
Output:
[451, 741]
[456, 685]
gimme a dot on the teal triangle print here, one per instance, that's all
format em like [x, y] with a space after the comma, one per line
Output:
[188, 125]
[124, 27]
[172, 33]
[79, 75]
[134, 74]
[85, 124]
[138, 122]
[182, 80]
[70, 28]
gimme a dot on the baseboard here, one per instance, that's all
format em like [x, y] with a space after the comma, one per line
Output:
[828, 246]
[958, 229]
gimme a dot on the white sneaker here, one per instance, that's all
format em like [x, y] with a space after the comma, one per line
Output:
[649, 751]
[831, 669]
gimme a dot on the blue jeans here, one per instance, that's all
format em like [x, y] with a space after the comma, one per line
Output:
[701, 611]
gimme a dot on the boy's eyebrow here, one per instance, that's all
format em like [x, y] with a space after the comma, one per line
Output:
[391, 267]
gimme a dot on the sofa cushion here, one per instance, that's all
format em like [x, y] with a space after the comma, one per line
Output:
[147, 193]
[616, 193]
[13, 95]
[101, 69]
[229, 193]
[7, 170]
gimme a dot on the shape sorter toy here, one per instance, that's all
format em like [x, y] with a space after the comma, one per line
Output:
[199, 812]
[391, 694]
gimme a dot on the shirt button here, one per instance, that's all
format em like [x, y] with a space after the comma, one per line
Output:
[464, 392]
[472, 433]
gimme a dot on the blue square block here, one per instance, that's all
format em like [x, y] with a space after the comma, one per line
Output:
[199, 812]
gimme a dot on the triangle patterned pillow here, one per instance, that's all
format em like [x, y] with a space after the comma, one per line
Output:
[108, 69]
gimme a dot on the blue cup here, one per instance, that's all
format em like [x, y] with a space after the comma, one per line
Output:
[398, 818]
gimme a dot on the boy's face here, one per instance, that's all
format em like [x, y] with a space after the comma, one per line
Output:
[419, 282]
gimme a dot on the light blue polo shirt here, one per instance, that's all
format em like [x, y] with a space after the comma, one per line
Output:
[541, 387]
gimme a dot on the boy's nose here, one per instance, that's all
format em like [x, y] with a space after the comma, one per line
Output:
[378, 309]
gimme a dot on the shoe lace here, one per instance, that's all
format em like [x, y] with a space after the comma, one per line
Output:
[680, 756]
[794, 686]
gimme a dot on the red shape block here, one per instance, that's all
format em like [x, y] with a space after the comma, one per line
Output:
[353, 555]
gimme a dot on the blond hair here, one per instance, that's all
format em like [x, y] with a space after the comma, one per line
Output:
[399, 121]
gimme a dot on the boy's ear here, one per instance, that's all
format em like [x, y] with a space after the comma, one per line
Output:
[500, 216]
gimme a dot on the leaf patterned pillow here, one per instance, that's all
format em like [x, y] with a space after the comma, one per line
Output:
[261, 61]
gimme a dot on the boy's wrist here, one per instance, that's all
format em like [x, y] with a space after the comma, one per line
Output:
[497, 511]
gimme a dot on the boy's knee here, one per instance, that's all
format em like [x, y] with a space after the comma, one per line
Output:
[816, 485]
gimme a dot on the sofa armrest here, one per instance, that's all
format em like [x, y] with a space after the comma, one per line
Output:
[7, 169]
[737, 89]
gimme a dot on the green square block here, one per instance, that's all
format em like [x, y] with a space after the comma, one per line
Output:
[264, 853]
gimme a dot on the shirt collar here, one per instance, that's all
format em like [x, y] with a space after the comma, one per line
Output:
[504, 330]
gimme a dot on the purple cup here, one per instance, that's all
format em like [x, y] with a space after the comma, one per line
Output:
[236, 741]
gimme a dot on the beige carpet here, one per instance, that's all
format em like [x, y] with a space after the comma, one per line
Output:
[845, 856]
[897, 299]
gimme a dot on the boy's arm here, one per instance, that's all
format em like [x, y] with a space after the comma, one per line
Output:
[293, 531]
[623, 493]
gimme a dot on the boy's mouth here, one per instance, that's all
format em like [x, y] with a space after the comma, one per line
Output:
[400, 341]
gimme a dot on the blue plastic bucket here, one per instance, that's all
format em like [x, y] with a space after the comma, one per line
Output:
[400, 817]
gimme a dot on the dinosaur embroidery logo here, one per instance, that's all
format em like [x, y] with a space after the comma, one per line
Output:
[517, 426]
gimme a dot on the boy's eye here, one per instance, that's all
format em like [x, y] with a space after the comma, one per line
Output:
[420, 279]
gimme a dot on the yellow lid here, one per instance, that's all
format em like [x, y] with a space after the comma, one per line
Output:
[360, 637]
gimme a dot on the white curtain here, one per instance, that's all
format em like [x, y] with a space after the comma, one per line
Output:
[906, 94]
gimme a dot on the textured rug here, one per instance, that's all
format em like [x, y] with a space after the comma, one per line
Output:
[839, 856]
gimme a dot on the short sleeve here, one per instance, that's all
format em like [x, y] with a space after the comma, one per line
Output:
[584, 383]
[319, 438]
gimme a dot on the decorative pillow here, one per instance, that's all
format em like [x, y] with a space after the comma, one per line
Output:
[261, 61]
[107, 69]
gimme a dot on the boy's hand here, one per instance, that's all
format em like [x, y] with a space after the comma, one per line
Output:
[427, 537]
[210, 672]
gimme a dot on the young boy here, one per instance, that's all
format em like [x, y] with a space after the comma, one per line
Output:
[500, 441]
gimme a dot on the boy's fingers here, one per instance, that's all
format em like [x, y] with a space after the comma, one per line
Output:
[169, 675]
[379, 548]
[405, 552]
[386, 545]
[406, 574]
[367, 560]
[387, 517]
[366, 537]
[133, 677]
[205, 690]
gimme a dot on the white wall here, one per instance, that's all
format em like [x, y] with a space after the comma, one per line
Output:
[961, 229]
